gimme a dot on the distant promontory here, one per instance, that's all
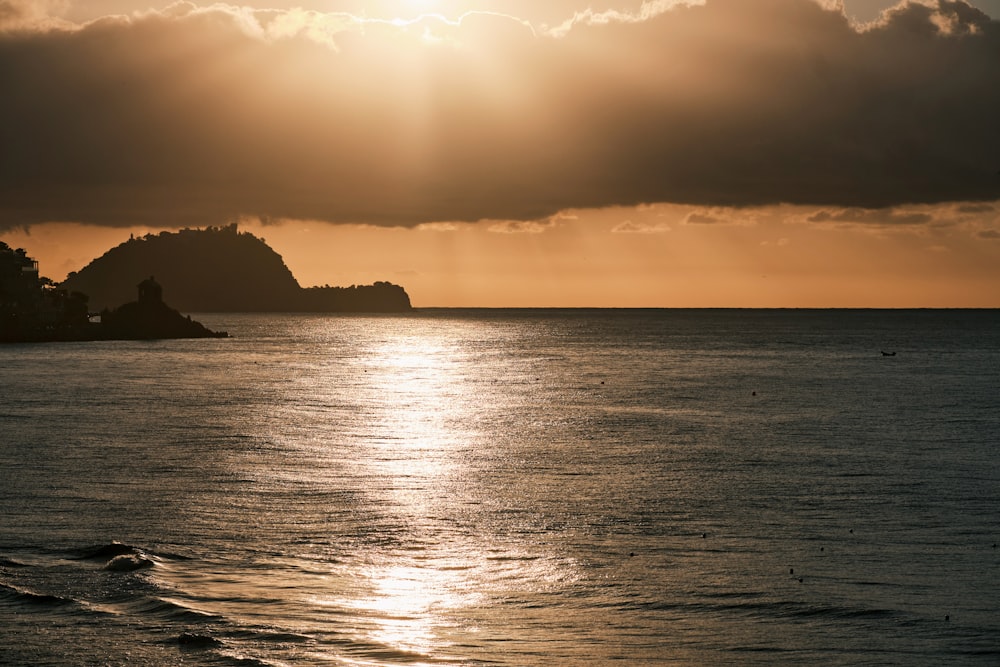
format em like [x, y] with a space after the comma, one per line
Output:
[220, 269]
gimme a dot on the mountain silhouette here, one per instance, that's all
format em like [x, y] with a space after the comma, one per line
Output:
[219, 269]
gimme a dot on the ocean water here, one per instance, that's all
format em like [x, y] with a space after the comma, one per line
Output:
[508, 488]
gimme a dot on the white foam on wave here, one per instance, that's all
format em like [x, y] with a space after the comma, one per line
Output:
[128, 563]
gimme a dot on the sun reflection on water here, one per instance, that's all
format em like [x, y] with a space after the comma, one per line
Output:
[410, 606]
[421, 429]
[392, 547]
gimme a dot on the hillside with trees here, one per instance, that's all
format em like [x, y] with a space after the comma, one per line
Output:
[220, 269]
[34, 310]
[31, 307]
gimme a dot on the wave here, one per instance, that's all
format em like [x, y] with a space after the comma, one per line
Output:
[7, 562]
[106, 551]
[119, 557]
[195, 640]
[243, 661]
[270, 636]
[166, 609]
[122, 557]
[85, 583]
[232, 649]
[128, 563]
[23, 596]
[779, 609]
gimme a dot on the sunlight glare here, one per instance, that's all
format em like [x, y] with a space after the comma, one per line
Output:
[407, 10]
[408, 605]
[422, 5]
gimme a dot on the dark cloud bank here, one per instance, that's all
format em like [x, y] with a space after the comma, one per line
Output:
[195, 117]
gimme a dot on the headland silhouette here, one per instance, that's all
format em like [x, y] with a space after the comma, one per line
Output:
[220, 269]
[202, 270]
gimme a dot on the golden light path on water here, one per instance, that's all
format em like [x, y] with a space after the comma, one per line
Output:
[384, 500]
[412, 377]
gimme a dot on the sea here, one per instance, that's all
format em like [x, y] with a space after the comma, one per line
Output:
[508, 487]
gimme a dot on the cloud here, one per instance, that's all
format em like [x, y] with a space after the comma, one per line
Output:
[976, 209]
[438, 227]
[719, 216]
[990, 234]
[199, 115]
[520, 227]
[629, 227]
[29, 14]
[888, 217]
[696, 218]
[647, 10]
[12, 11]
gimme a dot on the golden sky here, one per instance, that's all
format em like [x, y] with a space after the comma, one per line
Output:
[774, 153]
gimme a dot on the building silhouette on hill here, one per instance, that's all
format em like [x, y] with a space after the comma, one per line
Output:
[150, 291]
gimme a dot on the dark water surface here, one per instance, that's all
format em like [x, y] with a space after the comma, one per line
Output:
[508, 488]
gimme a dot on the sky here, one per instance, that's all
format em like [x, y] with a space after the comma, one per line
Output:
[721, 153]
